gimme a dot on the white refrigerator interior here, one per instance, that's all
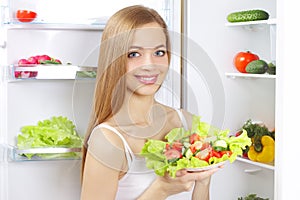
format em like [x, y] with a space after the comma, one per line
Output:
[73, 36]
[224, 99]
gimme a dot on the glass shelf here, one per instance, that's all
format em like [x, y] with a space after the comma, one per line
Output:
[43, 154]
[250, 76]
[53, 26]
[253, 25]
[33, 72]
[258, 22]
[258, 164]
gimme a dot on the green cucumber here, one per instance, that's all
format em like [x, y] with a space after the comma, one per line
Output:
[271, 68]
[257, 67]
[248, 15]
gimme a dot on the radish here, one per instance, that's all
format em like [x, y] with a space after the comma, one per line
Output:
[23, 62]
[33, 60]
[58, 61]
[43, 58]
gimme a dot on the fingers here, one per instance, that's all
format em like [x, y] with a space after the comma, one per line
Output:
[181, 172]
[198, 176]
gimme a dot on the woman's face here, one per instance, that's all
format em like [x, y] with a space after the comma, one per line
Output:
[147, 60]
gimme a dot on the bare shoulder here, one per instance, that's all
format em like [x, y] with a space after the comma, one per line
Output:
[107, 147]
[108, 136]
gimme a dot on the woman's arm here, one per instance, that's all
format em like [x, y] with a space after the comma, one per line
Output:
[201, 190]
[105, 159]
[202, 185]
[99, 181]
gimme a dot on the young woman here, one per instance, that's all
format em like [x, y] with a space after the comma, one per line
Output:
[134, 60]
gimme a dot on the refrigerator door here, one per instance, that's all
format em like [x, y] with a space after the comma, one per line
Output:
[25, 102]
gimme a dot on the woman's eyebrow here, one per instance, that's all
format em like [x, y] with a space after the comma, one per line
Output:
[140, 47]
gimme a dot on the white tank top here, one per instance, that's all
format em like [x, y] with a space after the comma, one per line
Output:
[138, 177]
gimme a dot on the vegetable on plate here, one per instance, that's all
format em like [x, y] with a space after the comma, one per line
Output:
[202, 146]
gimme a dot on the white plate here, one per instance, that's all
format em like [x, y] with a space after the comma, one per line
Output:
[199, 169]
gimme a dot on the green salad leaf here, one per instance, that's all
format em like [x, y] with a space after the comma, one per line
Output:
[55, 132]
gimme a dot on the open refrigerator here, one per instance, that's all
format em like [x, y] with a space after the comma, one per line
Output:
[202, 80]
[53, 91]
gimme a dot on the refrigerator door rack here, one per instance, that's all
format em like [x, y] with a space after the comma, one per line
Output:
[29, 72]
[253, 25]
[258, 164]
[250, 76]
[48, 153]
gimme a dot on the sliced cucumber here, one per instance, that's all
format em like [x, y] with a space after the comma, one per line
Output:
[220, 143]
[188, 154]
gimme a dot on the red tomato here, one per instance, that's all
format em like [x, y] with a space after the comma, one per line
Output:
[196, 146]
[238, 133]
[25, 15]
[194, 137]
[168, 146]
[216, 154]
[242, 59]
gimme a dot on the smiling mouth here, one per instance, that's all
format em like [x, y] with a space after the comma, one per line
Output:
[147, 80]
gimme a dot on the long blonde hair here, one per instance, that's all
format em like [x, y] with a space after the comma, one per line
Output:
[110, 86]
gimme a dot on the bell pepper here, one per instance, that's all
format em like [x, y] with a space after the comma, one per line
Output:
[262, 149]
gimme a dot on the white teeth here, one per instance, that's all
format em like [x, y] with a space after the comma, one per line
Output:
[147, 78]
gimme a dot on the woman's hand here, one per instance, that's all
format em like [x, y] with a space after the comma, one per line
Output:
[184, 181]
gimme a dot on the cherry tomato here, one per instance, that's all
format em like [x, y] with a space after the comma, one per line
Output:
[25, 15]
[216, 154]
[242, 59]
[194, 137]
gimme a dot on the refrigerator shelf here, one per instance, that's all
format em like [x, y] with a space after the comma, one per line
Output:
[32, 72]
[53, 26]
[250, 76]
[269, 21]
[258, 164]
[46, 153]
[253, 25]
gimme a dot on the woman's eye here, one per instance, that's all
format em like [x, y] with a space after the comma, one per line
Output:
[160, 53]
[133, 54]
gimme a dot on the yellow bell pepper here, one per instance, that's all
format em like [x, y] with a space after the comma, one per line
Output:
[267, 154]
